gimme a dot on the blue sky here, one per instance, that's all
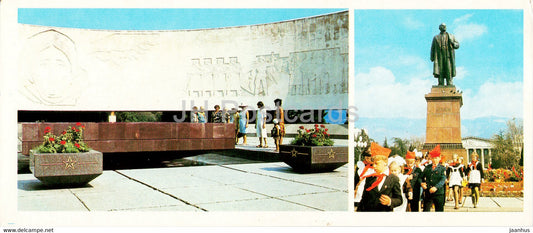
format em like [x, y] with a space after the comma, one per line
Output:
[159, 19]
[393, 70]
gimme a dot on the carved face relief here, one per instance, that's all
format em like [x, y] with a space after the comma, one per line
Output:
[52, 74]
[50, 70]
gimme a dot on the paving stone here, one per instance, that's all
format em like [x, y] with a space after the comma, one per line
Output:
[256, 205]
[28, 187]
[509, 202]
[127, 200]
[169, 179]
[213, 194]
[331, 201]
[63, 201]
[283, 188]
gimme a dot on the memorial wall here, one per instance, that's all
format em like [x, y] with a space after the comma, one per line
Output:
[302, 61]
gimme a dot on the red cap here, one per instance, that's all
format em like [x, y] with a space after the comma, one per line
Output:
[435, 152]
[376, 149]
[410, 155]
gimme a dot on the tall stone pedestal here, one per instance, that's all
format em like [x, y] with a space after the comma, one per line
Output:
[443, 122]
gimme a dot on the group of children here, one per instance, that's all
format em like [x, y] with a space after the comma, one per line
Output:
[384, 183]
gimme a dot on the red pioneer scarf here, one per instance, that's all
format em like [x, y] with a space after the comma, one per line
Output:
[380, 178]
[410, 170]
[367, 166]
[473, 164]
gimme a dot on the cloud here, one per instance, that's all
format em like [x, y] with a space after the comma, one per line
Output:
[500, 99]
[465, 30]
[469, 31]
[412, 24]
[460, 72]
[462, 19]
[378, 94]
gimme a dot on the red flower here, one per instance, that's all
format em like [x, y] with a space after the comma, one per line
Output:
[314, 135]
[77, 145]
[316, 126]
[302, 127]
[47, 129]
[308, 130]
[80, 125]
[63, 142]
[326, 130]
[323, 126]
[51, 139]
[73, 128]
[64, 132]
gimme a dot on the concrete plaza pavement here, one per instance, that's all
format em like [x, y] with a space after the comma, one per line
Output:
[224, 183]
[264, 186]
[488, 204]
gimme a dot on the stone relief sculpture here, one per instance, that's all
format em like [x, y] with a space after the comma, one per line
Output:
[265, 75]
[51, 74]
[311, 73]
[303, 60]
[118, 48]
[214, 80]
[317, 67]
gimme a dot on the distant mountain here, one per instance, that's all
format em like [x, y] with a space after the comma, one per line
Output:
[379, 128]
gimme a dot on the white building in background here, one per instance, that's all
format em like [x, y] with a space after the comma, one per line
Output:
[483, 147]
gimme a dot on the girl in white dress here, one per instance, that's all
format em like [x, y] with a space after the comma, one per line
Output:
[475, 177]
[260, 124]
[455, 173]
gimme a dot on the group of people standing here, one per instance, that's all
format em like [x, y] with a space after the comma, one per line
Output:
[240, 117]
[218, 116]
[384, 183]
[277, 132]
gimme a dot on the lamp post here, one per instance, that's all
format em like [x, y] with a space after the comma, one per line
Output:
[360, 145]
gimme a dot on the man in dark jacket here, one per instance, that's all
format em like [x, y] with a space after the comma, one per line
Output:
[414, 179]
[433, 180]
[382, 191]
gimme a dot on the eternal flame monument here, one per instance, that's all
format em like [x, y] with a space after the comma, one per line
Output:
[443, 122]
[302, 61]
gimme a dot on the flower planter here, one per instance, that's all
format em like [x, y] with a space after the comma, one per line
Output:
[314, 158]
[66, 169]
[501, 189]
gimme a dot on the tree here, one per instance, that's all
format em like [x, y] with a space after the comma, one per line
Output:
[400, 147]
[416, 142]
[508, 146]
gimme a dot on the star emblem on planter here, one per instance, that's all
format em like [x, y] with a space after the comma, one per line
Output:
[69, 163]
[294, 152]
[331, 154]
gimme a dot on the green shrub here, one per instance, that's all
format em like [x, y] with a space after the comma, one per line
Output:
[139, 116]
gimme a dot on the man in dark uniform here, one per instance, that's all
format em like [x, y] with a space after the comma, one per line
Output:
[415, 173]
[433, 180]
[382, 190]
